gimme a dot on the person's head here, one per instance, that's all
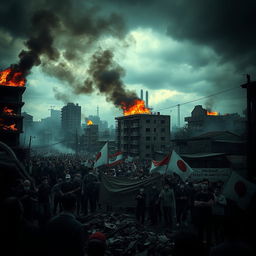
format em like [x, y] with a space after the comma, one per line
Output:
[60, 180]
[27, 184]
[68, 178]
[154, 186]
[182, 186]
[45, 181]
[141, 189]
[166, 186]
[68, 203]
[97, 244]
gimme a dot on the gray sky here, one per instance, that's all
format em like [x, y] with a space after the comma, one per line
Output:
[177, 50]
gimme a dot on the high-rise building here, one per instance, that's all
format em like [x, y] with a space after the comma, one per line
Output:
[143, 135]
[71, 118]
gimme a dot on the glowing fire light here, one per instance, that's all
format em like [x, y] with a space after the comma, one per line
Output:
[89, 122]
[212, 113]
[8, 111]
[137, 108]
[5, 127]
[8, 77]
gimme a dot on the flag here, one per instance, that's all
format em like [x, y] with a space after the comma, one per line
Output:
[115, 159]
[179, 166]
[160, 166]
[129, 159]
[88, 163]
[239, 190]
[102, 157]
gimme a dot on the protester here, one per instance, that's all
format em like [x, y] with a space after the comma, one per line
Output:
[141, 206]
[65, 236]
[56, 195]
[154, 205]
[169, 205]
[203, 202]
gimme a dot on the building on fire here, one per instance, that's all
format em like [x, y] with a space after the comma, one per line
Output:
[142, 135]
[202, 120]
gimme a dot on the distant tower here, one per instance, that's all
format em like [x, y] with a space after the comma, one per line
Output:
[141, 94]
[98, 111]
[146, 99]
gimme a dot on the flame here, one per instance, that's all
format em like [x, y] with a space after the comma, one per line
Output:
[11, 127]
[89, 122]
[212, 113]
[8, 111]
[9, 77]
[138, 107]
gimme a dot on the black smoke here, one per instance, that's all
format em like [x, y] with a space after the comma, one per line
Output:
[58, 35]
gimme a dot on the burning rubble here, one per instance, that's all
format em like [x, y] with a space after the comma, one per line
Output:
[7, 127]
[138, 107]
[10, 77]
[209, 113]
[8, 111]
[89, 122]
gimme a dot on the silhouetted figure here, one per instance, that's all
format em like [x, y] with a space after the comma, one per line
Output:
[18, 236]
[141, 206]
[234, 244]
[65, 235]
[57, 195]
[154, 205]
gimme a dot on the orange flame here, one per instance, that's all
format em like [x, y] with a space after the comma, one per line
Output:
[5, 127]
[8, 111]
[138, 107]
[9, 77]
[212, 113]
[89, 122]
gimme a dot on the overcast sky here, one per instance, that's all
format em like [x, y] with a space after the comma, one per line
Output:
[177, 50]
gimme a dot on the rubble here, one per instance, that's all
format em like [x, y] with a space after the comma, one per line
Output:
[126, 237]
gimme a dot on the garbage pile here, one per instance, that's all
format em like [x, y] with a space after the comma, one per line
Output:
[126, 237]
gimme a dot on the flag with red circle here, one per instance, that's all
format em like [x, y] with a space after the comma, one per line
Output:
[239, 190]
[179, 166]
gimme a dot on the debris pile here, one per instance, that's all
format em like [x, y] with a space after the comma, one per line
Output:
[126, 237]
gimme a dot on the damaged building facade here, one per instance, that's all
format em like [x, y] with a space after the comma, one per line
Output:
[142, 135]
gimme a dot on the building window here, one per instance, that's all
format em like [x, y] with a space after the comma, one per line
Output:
[162, 129]
[162, 138]
[154, 138]
[147, 138]
[147, 129]
[147, 155]
[162, 121]
[154, 129]
[147, 146]
[148, 121]
[154, 121]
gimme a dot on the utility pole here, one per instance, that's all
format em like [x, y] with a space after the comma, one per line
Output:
[250, 86]
[178, 115]
[76, 143]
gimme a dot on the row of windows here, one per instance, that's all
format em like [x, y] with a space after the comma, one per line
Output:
[148, 121]
[148, 138]
[148, 129]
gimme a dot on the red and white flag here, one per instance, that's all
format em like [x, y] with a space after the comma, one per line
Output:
[115, 159]
[160, 166]
[102, 157]
[239, 190]
[179, 166]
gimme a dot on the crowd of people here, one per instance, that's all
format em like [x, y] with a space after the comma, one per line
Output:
[43, 212]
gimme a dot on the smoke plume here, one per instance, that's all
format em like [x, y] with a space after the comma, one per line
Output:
[59, 36]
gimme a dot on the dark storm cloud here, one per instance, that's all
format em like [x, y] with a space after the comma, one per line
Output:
[227, 26]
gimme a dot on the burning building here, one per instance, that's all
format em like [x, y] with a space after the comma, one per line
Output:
[12, 86]
[203, 120]
[89, 141]
[141, 133]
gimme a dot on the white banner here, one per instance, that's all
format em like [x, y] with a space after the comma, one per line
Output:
[212, 174]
